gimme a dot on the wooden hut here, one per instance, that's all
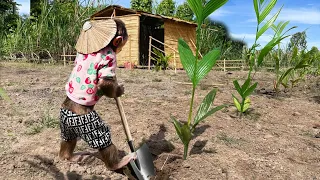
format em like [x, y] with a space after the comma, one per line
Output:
[165, 32]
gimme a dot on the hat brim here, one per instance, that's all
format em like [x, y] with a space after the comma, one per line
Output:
[96, 35]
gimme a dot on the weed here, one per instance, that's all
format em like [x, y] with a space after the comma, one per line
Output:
[35, 129]
[46, 121]
[49, 122]
[228, 140]
[307, 133]
[187, 92]
[4, 95]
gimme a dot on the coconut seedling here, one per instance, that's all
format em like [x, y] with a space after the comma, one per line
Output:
[197, 69]
[262, 9]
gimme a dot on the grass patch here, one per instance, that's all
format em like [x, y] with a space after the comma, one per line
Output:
[46, 121]
[307, 133]
[228, 140]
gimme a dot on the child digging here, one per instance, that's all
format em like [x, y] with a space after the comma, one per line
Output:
[92, 77]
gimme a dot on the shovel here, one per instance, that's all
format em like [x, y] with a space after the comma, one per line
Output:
[143, 166]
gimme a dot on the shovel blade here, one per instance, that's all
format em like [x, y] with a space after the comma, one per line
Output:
[146, 163]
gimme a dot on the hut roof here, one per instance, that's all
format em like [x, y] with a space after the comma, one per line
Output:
[121, 11]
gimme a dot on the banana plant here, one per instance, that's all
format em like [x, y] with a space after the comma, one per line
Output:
[244, 91]
[196, 70]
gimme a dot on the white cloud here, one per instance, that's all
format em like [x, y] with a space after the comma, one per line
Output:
[313, 43]
[251, 37]
[302, 15]
[24, 7]
[264, 39]
[220, 12]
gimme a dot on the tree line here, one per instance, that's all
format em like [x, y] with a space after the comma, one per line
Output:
[53, 25]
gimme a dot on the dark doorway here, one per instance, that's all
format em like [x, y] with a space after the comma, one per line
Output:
[150, 26]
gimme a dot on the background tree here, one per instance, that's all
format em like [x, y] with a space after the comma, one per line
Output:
[216, 35]
[166, 8]
[142, 5]
[299, 40]
[35, 8]
[184, 12]
[8, 16]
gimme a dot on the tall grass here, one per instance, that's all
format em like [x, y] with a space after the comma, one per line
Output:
[56, 28]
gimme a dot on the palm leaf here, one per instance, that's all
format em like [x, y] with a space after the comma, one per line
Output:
[250, 90]
[236, 102]
[177, 126]
[237, 86]
[205, 105]
[197, 8]
[210, 112]
[187, 58]
[206, 64]
[268, 48]
[246, 105]
[186, 134]
[256, 8]
[267, 10]
[267, 25]
[246, 84]
[284, 25]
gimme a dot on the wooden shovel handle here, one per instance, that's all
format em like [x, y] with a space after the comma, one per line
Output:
[123, 119]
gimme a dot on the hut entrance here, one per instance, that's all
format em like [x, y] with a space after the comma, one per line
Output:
[150, 26]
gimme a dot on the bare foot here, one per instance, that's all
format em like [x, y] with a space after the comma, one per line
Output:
[80, 156]
[125, 160]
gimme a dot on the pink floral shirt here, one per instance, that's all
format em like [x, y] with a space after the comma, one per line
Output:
[82, 84]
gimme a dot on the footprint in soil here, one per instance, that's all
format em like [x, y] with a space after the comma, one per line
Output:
[47, 165]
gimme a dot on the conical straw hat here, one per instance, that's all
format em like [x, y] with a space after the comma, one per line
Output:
[95, 35]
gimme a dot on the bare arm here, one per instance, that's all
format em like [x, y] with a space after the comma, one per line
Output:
[109, 87]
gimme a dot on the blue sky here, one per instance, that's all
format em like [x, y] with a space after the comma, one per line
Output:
[239, 17]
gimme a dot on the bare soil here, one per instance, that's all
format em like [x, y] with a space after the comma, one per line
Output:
[276, 140]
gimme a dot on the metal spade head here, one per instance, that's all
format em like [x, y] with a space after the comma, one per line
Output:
[146, 168]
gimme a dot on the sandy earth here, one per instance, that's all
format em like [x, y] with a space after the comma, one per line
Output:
[275, 141]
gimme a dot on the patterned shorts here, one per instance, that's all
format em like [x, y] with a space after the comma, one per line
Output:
[88, 127]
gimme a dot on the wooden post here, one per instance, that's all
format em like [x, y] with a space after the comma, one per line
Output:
[64, 57]
[130, 52]
[175, 63]
[224, 65]
[149, 60]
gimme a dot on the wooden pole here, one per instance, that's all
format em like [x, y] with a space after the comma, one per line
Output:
[224, 65]
[149, 61]
[64, 57]
[130, 51]
[175, 63]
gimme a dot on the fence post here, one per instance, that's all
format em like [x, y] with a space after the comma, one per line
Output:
[224, 65]
[149, 60]
[175, 63]
[64, 57]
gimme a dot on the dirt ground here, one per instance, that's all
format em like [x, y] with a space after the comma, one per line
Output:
[276, 140]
